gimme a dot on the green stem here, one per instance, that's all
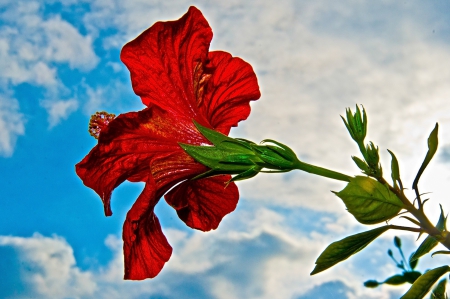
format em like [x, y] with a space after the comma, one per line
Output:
[321, 171]
[419, 214]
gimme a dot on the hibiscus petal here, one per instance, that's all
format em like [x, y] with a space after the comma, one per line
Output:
[202, 204]
[145, 247]
[232, 85]
[128, 145]
[162, 62]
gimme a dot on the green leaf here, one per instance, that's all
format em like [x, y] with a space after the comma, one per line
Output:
[429, 243]
[424, 283]
[395, 170]
[432, 148]
[343, 249]
[395, 280]
[370, 201]
[439, 290]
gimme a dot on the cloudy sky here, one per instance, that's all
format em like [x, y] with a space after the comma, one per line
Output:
[60, 64]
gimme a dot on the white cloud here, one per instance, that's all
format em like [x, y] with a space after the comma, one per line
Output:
[59, 110]
[263, 258]
[29, 39]
[12, 125]
[32, 49]
[49, 267]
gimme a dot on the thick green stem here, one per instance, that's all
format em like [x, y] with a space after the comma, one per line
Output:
[322, 171]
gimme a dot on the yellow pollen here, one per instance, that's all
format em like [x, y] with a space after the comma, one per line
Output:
[99, 121]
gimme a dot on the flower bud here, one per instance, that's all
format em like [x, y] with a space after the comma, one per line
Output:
[356, 124]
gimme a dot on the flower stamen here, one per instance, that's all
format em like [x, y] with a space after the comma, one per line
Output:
[98, 122]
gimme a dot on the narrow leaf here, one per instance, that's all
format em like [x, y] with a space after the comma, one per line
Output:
[429, 243]
[343, 249]
[413, 264]
[439, 290]
[370, 201]
[424, 283]
[432, 148]
[395, 170]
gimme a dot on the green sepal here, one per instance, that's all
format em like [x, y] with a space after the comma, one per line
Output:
[432, 148]
[239, 157]
[361, 164]
[424, 283]
[369, 201]
[213, 157]
[440, 252]
[411, 276]
[212, 135]
[343, 249]
[439, 291]
[429, 243]
[246, 174]
[395, 169]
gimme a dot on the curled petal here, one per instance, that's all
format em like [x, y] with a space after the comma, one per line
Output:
[228, 92]
[145, 247]
[202, 204]
[162, 62]
[127, 146]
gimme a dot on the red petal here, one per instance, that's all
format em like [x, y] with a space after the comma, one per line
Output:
[229, 90]
[145, 247]
[162, 61]
[128, 145]
[202, 204]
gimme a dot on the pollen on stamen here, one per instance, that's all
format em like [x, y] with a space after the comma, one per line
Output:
[99, 121]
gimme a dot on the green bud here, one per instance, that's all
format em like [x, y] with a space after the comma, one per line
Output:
[373, 156]
[397, 242]
[371, 284]
[356, 124]
[373, 160]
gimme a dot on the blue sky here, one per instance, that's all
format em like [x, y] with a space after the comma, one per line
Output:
[60, 64]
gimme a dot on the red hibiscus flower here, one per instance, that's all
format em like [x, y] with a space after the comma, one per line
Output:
[179, 81]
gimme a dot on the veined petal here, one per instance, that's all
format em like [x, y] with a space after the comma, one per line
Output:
[202, 204]
[162, 62]
[145, 247]
[128, 145]
[228, 92]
